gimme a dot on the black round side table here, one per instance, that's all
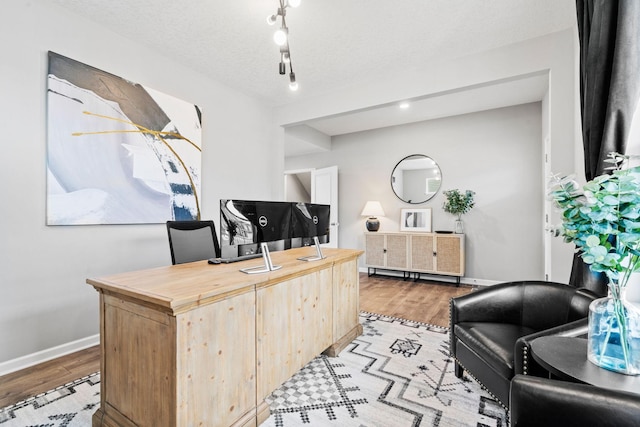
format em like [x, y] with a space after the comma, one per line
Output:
[566, 358]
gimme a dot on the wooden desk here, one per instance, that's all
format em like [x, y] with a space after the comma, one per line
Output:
[566, 358]
[200, 344]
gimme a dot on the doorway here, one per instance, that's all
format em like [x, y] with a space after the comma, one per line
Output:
[315, 186]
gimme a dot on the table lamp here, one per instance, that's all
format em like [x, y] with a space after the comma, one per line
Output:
[372, 209]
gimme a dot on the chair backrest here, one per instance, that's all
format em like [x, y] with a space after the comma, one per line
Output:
[583, 277]
[192, 241]
[549, 304]
[544, 402]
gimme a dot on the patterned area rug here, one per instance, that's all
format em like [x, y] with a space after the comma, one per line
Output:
[398, 373]
[70, 405]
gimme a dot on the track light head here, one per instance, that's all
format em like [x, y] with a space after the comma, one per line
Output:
[293, 3]
[282, 68]
[293, 84]
[271, 19]
[284, 54]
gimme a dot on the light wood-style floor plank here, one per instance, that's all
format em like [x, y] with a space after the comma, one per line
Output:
[421, 301]
[28, 382]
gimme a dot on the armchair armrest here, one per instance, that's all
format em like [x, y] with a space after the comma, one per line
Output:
[543, 402]
[524, 364]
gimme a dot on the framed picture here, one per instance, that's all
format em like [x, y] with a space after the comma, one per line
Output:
[415, 220]
[118, 152]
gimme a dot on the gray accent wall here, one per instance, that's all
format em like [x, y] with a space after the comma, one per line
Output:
[496, 153]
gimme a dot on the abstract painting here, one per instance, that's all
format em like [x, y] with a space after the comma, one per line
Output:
[118, 152]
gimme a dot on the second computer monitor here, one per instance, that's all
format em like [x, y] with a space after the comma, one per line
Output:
[310, 220]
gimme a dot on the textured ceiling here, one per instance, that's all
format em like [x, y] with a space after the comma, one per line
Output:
[334, 43]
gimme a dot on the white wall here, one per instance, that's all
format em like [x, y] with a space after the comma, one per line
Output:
[294, 190]
[553, 55]
[45, 301]
[495, 153]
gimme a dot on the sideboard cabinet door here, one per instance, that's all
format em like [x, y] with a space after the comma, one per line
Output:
[423, 253]
[450, 254]
[397, 251]
[374, 246]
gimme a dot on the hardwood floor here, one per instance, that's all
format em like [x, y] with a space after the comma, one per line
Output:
[420, 301]
[423, 301]
[28, 382]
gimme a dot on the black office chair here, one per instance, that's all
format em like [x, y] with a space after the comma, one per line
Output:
[192, 241]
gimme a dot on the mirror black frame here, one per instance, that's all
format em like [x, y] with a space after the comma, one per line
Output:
[427, 196]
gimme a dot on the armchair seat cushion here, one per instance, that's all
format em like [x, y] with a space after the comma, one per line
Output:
[493, 342]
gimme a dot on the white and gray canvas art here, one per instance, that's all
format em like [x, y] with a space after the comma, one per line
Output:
[118, 152]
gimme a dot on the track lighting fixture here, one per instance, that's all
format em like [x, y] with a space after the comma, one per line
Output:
[281, 38]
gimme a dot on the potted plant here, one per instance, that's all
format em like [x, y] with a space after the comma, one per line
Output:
[458, 203]
[603, 220]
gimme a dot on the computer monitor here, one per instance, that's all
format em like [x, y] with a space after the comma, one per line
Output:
[245, 224]
[311, 220]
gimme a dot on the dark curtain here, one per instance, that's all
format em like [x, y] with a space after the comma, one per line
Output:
[609, 32]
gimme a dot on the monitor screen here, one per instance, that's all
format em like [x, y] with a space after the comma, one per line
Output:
[310, 220]
[250, 222]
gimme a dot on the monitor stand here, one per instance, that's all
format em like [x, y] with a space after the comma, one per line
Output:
[268, 265]
[318, 256]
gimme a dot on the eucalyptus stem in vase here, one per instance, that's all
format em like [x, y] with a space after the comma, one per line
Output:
[603, 221]
[458, 203]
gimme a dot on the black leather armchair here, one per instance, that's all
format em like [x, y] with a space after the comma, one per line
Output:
[491, 329]
[544, 402]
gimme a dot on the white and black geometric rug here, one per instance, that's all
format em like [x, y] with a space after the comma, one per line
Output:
[68, 406]
[398, 373]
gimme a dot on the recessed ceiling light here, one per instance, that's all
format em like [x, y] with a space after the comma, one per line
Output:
[404, 105]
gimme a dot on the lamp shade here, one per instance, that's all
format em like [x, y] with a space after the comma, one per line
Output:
[372, 208]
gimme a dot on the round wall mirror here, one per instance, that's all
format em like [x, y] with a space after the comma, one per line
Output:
[416, 179]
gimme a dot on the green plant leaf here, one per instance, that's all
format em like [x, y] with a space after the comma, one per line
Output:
[593, 241]
[603, 218]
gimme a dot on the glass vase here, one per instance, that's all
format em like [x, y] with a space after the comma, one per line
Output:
[459, 226]
[614, 335]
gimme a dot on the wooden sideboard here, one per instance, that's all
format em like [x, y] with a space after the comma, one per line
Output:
[416, 253]
[200, 344]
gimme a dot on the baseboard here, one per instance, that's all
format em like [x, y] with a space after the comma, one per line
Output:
[48, 354]
[479, 282]
[436, 278]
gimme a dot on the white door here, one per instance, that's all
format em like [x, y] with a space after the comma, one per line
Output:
[324, 190]
[549, 215]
